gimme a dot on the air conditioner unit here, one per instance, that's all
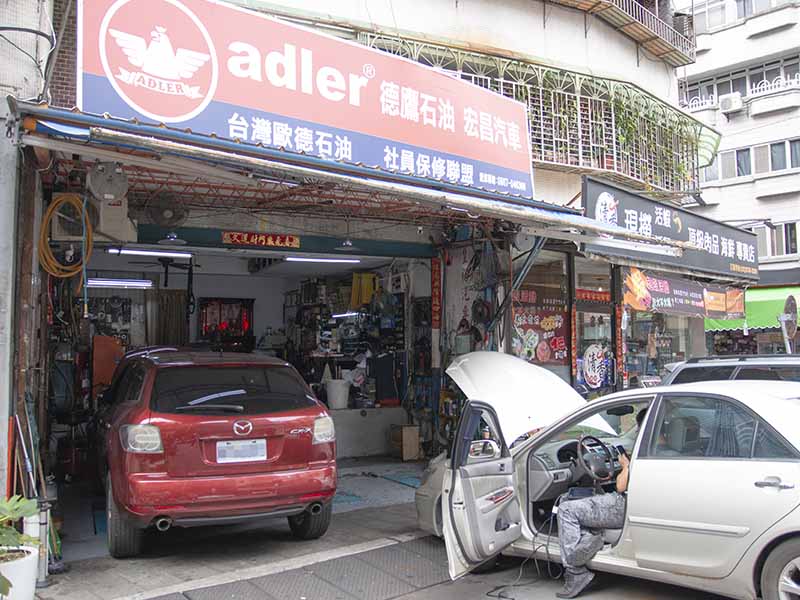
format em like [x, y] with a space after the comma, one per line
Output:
[730, 103]
[108, 217]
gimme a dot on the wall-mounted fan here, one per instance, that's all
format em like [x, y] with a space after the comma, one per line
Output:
[164, 210]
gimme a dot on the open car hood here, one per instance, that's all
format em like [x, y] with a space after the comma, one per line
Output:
[524, 396]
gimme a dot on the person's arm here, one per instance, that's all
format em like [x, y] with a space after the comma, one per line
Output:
[622, 478]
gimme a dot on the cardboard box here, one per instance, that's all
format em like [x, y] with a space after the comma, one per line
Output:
[404, 441]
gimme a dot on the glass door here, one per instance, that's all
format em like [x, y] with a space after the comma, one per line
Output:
[595, 372]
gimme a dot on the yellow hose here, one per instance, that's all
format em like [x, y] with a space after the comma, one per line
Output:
[46, 257]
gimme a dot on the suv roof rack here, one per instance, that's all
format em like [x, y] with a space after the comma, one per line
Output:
[739, 357]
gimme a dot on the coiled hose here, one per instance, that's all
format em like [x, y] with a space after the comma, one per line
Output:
[47, 259]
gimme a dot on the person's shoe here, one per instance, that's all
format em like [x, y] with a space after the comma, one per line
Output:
[589, 545]
[575, 584]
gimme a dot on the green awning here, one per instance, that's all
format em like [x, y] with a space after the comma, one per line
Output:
[762, 307]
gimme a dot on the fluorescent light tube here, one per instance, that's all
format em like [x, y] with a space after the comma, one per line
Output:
[122, 284]
[138, 252]
[321, 260]
[343, 315]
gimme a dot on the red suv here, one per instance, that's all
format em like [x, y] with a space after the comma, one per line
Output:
[191, 438]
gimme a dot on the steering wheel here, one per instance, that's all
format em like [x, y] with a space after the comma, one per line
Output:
[598, 467]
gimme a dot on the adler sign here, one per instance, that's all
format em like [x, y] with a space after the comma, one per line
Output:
[219, 69]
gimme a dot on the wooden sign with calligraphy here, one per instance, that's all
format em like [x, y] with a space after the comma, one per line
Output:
[261, 240]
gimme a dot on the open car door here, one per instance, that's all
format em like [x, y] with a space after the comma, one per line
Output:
[481, 512]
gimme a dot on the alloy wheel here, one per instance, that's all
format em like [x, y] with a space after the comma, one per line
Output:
[789, 582]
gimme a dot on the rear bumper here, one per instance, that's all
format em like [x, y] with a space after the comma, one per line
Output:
[194, 501]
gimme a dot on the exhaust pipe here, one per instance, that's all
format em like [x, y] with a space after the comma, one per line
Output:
[163, 523]
[315, 508]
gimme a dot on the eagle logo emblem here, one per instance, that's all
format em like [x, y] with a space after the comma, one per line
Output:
[162, 67]
[160, 58]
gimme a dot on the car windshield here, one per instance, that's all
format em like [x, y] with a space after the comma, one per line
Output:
[245, 390]
[621, 420]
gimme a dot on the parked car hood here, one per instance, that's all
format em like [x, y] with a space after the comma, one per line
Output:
[524, 396]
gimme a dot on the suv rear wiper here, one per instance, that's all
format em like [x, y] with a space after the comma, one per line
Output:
[237, 408]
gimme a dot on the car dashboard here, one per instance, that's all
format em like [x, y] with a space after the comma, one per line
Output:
[554, 467]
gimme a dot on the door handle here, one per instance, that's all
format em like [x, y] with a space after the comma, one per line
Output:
[774, 482]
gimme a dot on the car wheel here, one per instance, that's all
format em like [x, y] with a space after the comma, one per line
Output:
[780, 579]
[308, 526]
[124, 539]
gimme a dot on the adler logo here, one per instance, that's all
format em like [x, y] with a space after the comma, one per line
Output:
[159, 57]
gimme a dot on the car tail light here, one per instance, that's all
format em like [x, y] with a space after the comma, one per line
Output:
[141, 439]
[324, 431]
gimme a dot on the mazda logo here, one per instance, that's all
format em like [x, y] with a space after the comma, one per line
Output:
[242, 428]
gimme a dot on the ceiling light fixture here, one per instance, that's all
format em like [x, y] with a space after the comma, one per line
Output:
[172, 239]
[321, 260]
[120, 284]
[343, 315]
[136, 252]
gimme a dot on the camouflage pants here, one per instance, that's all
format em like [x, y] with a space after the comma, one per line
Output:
[578, 522]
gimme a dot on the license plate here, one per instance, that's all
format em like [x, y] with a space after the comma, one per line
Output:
[236, 451]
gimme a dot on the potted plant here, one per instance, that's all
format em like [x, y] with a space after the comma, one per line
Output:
[18, 557]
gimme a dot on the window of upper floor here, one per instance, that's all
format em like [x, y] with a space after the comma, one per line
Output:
[714, 14]
[749, 81]
[763, 158]
[778, 239]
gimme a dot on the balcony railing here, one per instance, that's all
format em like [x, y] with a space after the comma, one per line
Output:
[644, 26]
[582, 124]
[779, 84]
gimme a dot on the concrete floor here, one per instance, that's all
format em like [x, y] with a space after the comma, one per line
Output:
[417, 570]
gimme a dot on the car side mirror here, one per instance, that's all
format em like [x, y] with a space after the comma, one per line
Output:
[483, 450]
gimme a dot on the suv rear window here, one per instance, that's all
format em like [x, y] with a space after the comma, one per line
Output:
[692, 374]
[234, 390]
[770, 373]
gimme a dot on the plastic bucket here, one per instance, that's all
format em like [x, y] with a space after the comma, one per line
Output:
[22, 574]
[338, 391]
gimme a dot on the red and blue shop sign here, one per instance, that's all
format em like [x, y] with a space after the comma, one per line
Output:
[218, 69]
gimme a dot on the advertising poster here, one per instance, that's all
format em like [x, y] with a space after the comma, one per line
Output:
[541, 328]
[654, 292]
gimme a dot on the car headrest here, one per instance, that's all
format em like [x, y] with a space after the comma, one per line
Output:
[682, 431]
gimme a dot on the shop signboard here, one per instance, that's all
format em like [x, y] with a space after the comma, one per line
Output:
[221, 70]
[260, 240]
[721, 249]
[654, 292]
[541, 327]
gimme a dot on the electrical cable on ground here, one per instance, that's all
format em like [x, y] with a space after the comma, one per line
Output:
[46, 257]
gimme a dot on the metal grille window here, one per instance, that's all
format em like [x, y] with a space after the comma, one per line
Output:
[579, 124]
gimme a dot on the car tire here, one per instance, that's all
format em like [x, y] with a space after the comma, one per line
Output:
[779, 565]
[124, 539]
[306, 526]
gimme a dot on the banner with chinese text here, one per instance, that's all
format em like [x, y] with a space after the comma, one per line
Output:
[721, 248]
[221, 70]
[654, 292]
[541, 327]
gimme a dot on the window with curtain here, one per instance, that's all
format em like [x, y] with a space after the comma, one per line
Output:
[743, 167]
[794, 153]
[777, 153]
[790, 237]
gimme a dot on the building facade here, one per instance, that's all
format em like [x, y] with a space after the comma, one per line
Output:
[599, 83]
[746, 84]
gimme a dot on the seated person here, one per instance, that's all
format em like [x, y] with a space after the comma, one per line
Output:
[578, 546]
